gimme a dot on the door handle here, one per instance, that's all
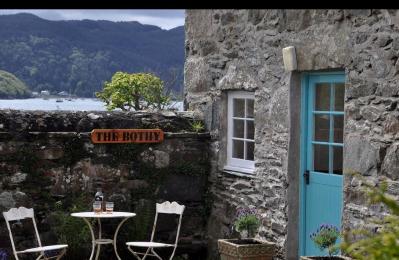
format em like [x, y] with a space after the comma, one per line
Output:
[306, 176]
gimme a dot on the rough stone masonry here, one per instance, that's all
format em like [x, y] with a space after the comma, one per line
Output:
[242, 50]
[48, 162]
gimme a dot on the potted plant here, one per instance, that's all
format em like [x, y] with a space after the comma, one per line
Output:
[325, 238]
[247, 247]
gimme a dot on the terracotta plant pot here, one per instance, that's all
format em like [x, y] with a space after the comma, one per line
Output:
[246, 249]
[335, 257]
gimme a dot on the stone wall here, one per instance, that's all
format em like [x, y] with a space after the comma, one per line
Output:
[48, 162]
[242, 49]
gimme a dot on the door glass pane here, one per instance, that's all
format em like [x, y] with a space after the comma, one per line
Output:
[250, 130]
[321, 128]
[238, 149]
[250, 151]
[337, 164]
[338, 129]
[320, 158]
[339, 96]
[322, 97]
[250, 108]
[239, 107]
[238, 128]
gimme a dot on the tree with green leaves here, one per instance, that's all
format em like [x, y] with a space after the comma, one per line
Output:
[138, 91]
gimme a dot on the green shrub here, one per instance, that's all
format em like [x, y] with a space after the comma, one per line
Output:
[383, 242]
[197, 126]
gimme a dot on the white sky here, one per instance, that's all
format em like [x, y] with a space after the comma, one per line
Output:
[166, 19]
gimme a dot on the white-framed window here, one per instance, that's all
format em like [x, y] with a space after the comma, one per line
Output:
[240, 132]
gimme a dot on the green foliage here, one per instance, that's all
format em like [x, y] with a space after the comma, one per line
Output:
[382, 243]
[136, 91]
[11, 86]
[325, 238]
[78, 56]
[247, 220]
[197, 126]
[70, 230]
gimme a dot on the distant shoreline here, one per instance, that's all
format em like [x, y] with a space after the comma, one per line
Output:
[63, 103]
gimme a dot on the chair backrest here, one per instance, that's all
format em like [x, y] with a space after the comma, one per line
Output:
[169, 208]
[18, 214]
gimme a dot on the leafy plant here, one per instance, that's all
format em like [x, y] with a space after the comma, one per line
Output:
[381, 243]
[325, 238]
[247, 220]
[136, 91]
[70, 230]
[197, 126]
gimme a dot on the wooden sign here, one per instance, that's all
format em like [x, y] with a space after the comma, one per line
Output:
[104, 136]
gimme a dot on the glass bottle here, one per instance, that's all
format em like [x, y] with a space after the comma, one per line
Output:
[99, 197]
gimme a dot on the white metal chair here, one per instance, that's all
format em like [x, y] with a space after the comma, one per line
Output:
[164, 208]
[16, 214]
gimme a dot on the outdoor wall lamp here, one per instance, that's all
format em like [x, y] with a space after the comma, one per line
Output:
[289, 58]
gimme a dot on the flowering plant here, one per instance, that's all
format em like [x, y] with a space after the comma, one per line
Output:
[325, 237]
[3, 254]
[247, 220]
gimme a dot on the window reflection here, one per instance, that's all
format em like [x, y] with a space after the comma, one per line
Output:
[239, 107]
[320, 158]
[339, 96]
[238, 129]
[338, 160]
[338, 129]
[238, 149]
[322, 97]
[321, 128]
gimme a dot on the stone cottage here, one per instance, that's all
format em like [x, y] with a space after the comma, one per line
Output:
[285, 140]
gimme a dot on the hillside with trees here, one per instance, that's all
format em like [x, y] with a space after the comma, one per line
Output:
[79, 56]
[12, 87]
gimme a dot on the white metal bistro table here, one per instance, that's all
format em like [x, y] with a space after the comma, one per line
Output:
[102, 241]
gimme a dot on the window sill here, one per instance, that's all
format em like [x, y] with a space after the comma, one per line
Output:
[240, 172]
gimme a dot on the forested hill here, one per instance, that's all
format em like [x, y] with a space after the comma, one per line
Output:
[78, 56]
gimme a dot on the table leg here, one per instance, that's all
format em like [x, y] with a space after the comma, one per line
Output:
[116, 235]
[99, 236]
[93, 243]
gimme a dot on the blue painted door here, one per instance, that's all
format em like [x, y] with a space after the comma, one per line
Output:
[322, 155]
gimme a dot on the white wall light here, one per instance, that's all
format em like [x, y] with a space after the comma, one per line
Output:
[289, 58]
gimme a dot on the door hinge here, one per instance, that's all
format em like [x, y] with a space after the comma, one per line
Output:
[306, 175]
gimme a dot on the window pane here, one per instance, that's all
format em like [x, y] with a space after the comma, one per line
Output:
[250, 130]
[339, 96]
[321, 128]
[322, 97]
[337, 164]
[250, 151]
[238, 149]
[238, 128]
[320, 158]
[338, 129]
[250, 108]
[239, 107]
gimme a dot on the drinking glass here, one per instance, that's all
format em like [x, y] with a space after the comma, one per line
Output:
[109, 207]
[97, 207]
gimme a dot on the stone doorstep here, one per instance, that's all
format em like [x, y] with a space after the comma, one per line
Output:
[325, 257]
